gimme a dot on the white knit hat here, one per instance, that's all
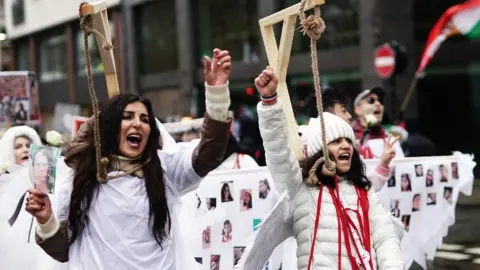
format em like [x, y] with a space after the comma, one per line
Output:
[335, 128]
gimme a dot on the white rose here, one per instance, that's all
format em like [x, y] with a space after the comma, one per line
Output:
[371, 120]
[54, 138]
[4, 167]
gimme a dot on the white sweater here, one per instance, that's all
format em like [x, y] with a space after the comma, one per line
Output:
[287, 176]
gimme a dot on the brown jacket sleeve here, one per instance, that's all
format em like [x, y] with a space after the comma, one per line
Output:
[209, 153]
[56, 246]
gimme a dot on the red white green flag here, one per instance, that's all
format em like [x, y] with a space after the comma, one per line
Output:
[463, 19]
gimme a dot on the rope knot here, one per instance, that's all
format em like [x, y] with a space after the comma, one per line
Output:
[102, 173]
[329, 168]
[312, 26]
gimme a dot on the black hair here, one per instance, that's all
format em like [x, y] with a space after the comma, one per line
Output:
[332, 96]
[86, 185]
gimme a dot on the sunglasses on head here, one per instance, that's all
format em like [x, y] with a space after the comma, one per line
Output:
[372, 100]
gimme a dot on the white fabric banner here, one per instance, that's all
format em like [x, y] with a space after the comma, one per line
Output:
[422, 193]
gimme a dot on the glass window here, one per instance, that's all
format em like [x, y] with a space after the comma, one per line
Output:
[240, 35]
[96, 60]
[18, 12]
[427, 13]
[157, 36]
[53, 57]
[21, 56]
[342, 27]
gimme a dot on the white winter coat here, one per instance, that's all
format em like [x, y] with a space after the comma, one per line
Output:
[298, 207]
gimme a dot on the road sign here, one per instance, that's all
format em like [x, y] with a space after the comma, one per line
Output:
[385, 61]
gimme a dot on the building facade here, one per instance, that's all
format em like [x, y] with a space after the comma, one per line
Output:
[159, 47]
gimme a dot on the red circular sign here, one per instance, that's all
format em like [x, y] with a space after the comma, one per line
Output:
[385, 61]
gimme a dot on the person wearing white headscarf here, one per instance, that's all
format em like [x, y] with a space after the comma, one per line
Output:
[18, 250]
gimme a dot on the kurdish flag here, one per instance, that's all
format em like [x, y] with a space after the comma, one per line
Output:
[463, 19]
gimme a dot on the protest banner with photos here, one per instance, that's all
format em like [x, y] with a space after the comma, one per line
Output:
[243, 198]
[43, 160]
[422, 193]
[19, 98]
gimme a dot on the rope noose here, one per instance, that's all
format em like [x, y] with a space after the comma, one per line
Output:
[313, 26]
[86, 25]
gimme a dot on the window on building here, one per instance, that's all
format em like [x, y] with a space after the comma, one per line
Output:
[342, 20]
[231, 25]
[21, 56]
[53, 57]
[426, 14]
[156, 36]
[18, 12]
[96, 60]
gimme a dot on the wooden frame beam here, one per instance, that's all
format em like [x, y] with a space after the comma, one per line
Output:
[279, 58]
[98, 11]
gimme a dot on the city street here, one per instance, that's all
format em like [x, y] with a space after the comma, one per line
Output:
[461, 248]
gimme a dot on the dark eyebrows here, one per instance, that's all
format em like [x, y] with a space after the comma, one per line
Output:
[131, 112]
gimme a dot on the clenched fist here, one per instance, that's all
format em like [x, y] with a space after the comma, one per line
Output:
[217, 70]
[38, 205]
[267, 82]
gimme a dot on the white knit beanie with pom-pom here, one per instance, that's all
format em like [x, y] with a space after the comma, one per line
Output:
[335, 128]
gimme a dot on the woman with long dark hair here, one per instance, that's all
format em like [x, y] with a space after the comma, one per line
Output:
[130, 220]
[337, 220]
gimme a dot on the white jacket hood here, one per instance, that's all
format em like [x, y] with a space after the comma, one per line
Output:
[6, 143]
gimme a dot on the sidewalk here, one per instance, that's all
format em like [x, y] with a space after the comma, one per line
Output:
[473, 200]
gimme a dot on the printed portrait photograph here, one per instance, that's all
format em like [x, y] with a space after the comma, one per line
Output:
[391, 181]
[44, 160]
[263, 189]
[432, 198]
[443, 173]
[211, 203]
[395, 208]
[214, 262]
[455, 170]
[447, 194]
[416, 202]
[419, 170]
[227, 231]
[226, 191]
[406, 222]
[237, 254]
[405, 182]
[245, 200]
[429, 178]
[206, 237]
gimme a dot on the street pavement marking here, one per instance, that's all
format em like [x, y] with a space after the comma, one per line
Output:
[452, 256]
[450, 247]
[475, 250]
[476, 261]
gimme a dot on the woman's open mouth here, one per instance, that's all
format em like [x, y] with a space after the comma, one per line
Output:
[134, 139]
[345, 157]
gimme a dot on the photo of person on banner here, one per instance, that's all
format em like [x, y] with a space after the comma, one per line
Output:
[429, 178]
[406, 184]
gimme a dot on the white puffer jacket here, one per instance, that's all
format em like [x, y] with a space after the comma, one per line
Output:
[287, 176]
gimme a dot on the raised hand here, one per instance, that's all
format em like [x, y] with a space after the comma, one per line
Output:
[38, 205]
[217, 70]
[267, 82]
[388, 150]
